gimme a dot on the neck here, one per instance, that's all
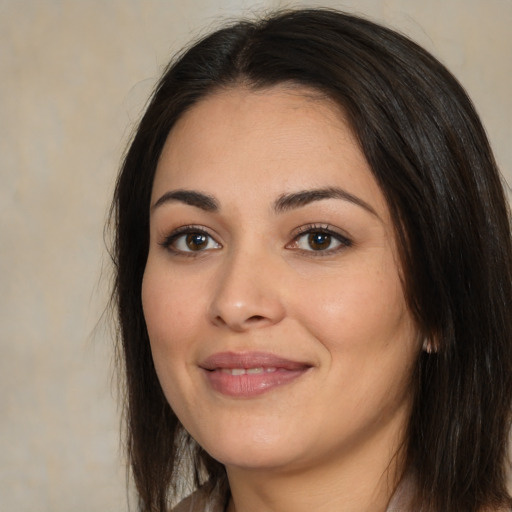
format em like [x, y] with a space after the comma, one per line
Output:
[361, 481]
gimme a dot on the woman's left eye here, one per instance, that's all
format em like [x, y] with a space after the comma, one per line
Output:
[319, 240]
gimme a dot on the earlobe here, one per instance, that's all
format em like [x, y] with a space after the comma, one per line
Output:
[429, 346]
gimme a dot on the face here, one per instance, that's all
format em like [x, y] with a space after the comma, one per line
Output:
[272, 291]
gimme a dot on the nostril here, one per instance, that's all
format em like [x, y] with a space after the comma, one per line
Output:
[255, 318]
[220, 320]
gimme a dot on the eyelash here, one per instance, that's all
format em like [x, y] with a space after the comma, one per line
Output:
[322, 229]
[168, 241]
[308, 229]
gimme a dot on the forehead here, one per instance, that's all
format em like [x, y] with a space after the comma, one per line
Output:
[282, 111]
[271, 141]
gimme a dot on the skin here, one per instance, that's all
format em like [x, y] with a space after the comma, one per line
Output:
[330, 439]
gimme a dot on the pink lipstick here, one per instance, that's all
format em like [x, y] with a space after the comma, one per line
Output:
[249, 374]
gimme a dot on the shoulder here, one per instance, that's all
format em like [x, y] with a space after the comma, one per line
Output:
[403, 496]
[199, 502]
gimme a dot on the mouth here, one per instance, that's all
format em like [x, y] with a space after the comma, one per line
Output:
[250, 374]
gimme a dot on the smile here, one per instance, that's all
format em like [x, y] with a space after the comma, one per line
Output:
[247, 371]
[247, 375]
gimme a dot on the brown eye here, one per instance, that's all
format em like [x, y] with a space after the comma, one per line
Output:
[319, 241]
[189, 241]
[196, 241]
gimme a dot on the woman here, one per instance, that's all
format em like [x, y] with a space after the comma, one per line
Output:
[314, 278]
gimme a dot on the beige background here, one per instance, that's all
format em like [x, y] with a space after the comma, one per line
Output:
[73, 78]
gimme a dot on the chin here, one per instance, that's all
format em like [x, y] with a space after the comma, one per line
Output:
[253, 459]
[253, 450]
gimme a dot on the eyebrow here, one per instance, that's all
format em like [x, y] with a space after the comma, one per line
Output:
[284, 203]
[190, 197]
[294, 200]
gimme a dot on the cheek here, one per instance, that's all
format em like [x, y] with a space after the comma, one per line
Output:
[171, 310]
[371, 341]
[359, 308]
[171, 322]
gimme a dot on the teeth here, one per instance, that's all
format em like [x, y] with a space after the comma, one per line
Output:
[234, 371]
[253, 371]
[248, 371]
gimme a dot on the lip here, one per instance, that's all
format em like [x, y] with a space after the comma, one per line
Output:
[250, 374]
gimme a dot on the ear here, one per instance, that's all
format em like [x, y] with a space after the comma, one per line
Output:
[430, 345]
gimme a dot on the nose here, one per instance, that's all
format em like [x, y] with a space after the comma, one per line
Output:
[247, 293]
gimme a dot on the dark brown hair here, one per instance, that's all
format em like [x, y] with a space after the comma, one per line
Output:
[430, 155]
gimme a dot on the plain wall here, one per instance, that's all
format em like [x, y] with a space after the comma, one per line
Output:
[74, 76]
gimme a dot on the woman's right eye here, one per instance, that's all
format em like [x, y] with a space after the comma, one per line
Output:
[190, 241]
